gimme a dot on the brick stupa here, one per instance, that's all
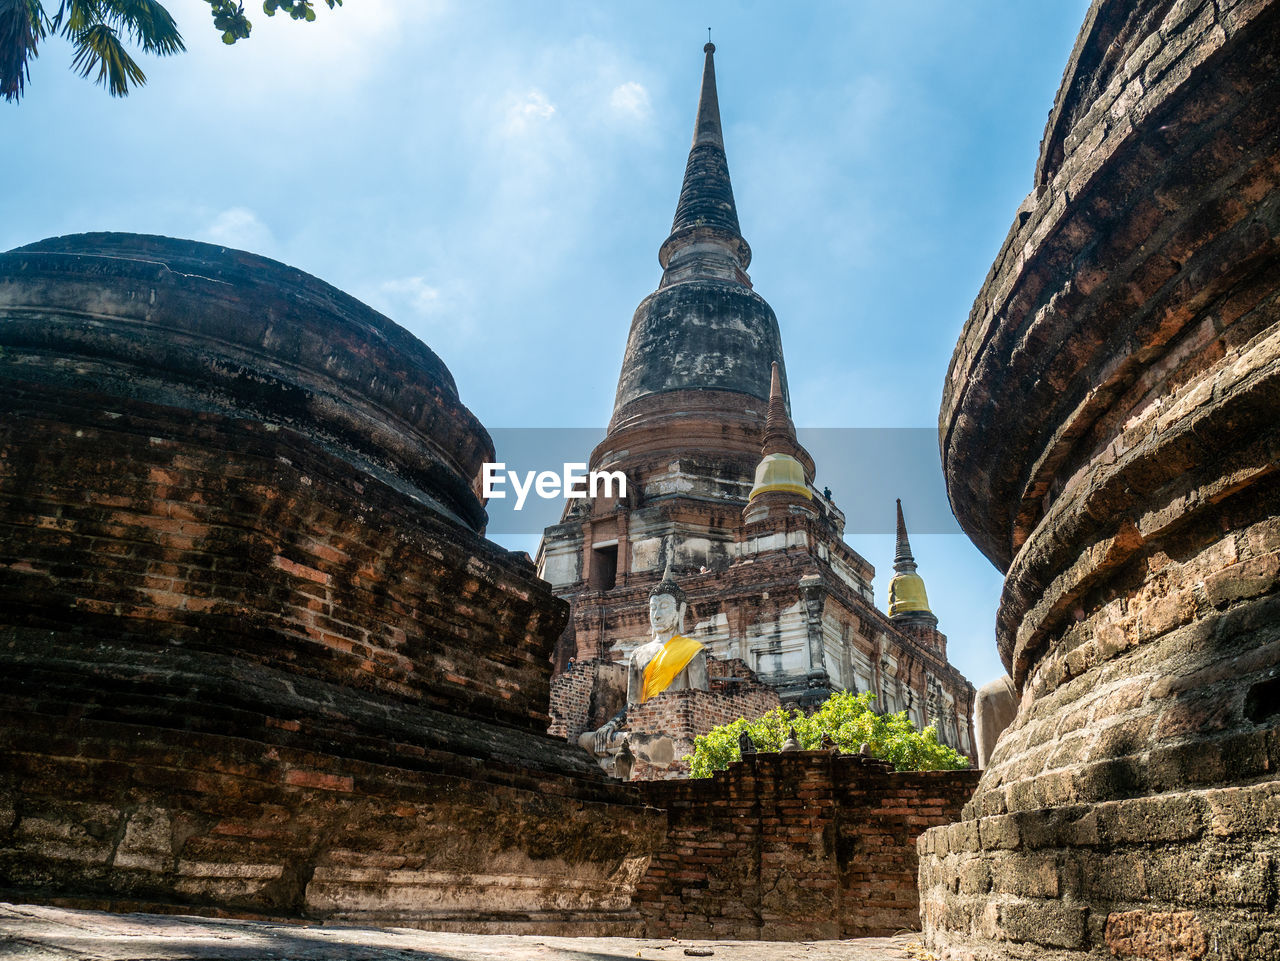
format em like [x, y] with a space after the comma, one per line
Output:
[720, 488]
[258, 657]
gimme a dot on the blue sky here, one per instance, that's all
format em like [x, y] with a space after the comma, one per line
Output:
[497, 177]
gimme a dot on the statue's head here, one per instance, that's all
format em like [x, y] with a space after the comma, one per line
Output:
[666, 605]
[666, 614]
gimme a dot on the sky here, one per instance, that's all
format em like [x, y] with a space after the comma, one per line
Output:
[497, 177]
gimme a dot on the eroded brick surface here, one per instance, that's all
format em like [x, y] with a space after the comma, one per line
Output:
[257, 657]
[796, 846]
[1109, 433]
[1160, 936]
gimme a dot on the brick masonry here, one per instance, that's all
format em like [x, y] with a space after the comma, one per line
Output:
[574, 708]
[1131, 808]
[685, 715]
[257, 656]
[798, 846]
[588, 693]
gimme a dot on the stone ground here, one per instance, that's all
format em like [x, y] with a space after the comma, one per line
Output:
[35, 933]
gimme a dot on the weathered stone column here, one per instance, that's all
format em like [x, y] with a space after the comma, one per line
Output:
[1110, 434]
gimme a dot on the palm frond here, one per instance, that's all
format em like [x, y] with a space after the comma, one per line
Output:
[23, 24]
[76, 16]
[100, 47]
[147, 23]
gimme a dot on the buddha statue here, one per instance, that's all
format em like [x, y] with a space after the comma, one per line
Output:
[668, 662]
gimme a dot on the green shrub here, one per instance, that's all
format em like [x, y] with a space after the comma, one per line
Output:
[850, 721]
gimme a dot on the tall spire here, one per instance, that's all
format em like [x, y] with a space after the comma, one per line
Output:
[704, 329]
[706, 130]
[903, 561]
[706, 210]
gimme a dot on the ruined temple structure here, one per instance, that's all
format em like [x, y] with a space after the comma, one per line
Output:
[1110, 432]
[259, 660]
[257, 656]
[719, 486]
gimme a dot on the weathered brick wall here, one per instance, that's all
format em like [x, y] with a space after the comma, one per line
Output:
[687, 714]
[1110, 434]
[684, 715]
[793, 846]
[256, 655]
[571, 700]
[588, 693]
[230, 536]
[723, 671]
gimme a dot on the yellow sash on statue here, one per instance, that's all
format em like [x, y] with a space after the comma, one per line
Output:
[667, 663]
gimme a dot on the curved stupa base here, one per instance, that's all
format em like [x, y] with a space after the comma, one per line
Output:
[1111, 430]
[257, 657]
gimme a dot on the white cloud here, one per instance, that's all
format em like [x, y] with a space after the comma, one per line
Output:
[414, 293]
[528, 110]
[442, 315]
[630, 100]
[238, 227]
[330, 57]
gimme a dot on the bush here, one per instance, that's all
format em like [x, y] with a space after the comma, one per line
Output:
[850, 721]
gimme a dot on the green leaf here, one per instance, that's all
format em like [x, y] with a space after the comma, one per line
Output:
[99, 47]
[99, 29]
[849, 719]
[229, 17]
[147, 23]
[23, 24]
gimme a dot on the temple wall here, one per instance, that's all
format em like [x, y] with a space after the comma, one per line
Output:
[798, 846]
[684, 715]
[743, 580]
[1130, 810]
[591, 692]
[126, 816]
[572, 705]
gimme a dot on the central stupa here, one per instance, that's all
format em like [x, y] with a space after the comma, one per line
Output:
[720, 488]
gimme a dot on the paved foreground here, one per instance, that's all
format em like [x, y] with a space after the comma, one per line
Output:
[36, 933]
